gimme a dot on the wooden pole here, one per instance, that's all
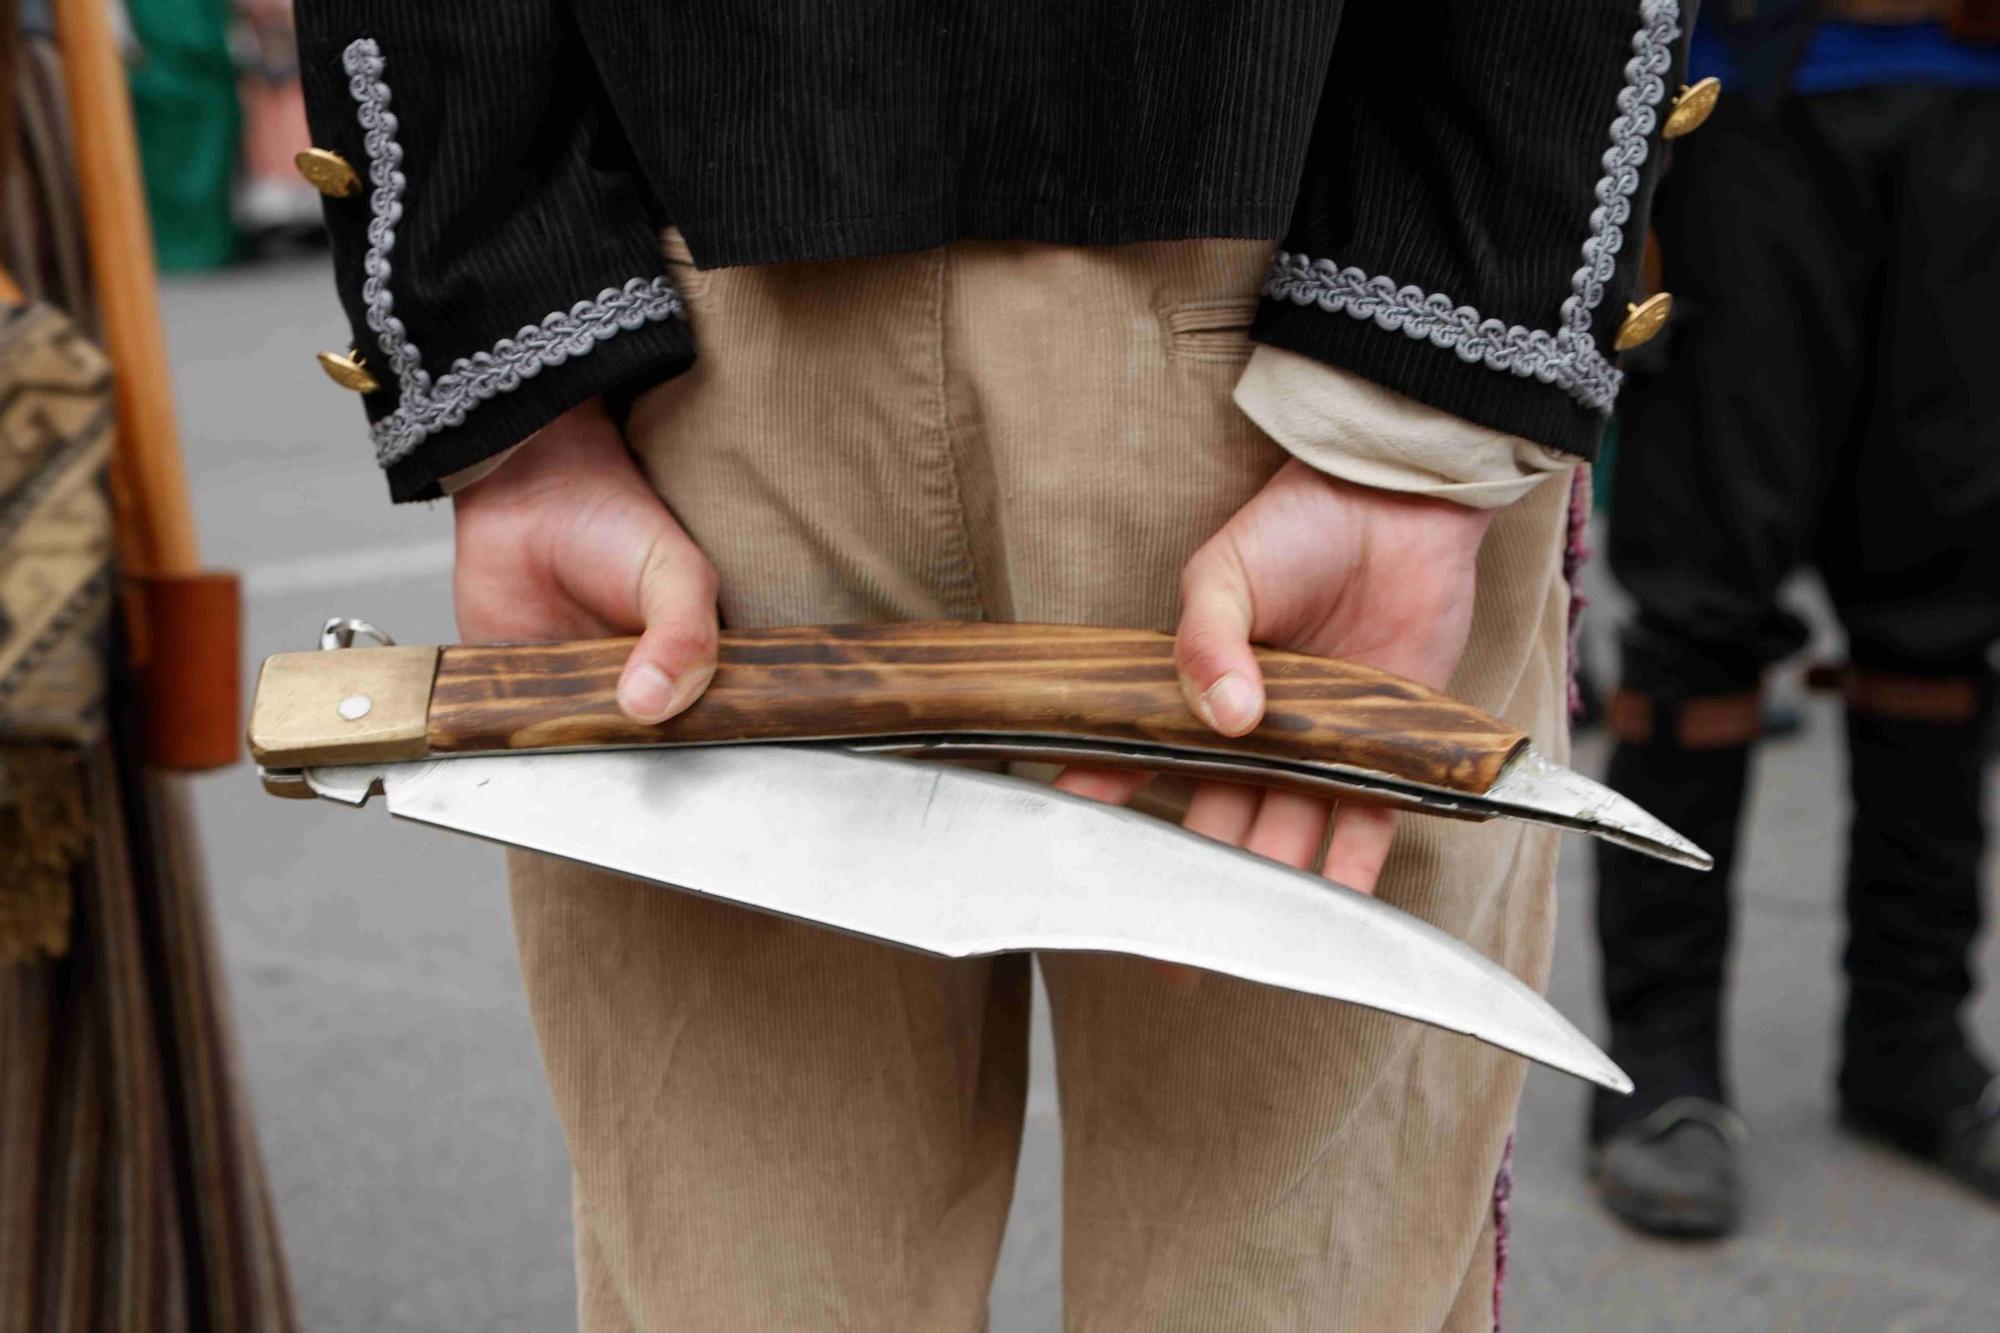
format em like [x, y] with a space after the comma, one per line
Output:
[128, 294]
[184, 624]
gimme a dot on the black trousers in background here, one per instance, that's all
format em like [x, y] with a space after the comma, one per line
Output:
[1828, 395]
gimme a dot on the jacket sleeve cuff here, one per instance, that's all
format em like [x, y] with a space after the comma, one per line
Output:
[1416, 369]
[1359, 431]
[617, 368]
[497, 262]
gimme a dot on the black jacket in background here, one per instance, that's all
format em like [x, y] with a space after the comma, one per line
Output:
[1455, 181]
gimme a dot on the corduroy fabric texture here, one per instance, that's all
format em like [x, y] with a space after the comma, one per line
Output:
[1453, 149]
[1472, 172]
[775, 1126]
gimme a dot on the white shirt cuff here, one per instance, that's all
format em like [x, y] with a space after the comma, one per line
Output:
[1355, 429]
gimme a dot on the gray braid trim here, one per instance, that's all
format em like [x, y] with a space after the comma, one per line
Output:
[425, 406]
[1567, 357]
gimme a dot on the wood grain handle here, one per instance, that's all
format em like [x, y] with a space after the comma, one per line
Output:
[845, 682]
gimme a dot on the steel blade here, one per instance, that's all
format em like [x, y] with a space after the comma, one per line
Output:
[1532, 786]
[963, 863]
[1529, 787]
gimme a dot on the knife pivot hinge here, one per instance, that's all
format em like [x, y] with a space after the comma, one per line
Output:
[341, 631]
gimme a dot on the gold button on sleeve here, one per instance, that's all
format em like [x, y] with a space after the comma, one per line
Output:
[346, 370]
[328, 172]
[1691, 108]
[1643, 320]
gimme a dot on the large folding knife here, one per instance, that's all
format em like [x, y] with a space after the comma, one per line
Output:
[780, 789]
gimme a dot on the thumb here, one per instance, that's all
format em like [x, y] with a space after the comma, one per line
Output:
[675, 657]
[1218, 673]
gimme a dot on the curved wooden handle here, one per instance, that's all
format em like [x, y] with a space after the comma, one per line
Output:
[850, 681]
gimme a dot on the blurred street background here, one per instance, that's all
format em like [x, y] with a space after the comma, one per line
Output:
[418, 1169]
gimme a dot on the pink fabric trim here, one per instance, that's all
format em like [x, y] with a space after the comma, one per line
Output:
[1503, 1193]
[1576, 553]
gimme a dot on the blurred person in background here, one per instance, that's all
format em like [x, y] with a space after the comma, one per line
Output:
[273, 206]
[1827, 397]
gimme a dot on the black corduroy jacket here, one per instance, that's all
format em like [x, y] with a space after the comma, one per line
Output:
[1459, 185]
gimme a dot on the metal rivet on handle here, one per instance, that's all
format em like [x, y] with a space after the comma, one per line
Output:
[355, 707]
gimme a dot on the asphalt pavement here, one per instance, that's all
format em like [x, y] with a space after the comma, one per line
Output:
[420, 1177]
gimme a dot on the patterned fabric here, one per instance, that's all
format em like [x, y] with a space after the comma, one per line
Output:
[132, 1192]
[55, 601]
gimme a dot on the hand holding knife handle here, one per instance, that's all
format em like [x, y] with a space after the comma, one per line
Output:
[1097, 687]
[1107, 697]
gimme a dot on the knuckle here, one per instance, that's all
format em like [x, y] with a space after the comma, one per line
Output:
[673, 570]
[686, 641]
[1202, 651]
[1200, 571]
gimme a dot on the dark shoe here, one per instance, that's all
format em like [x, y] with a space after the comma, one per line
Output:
[1676, 1172]
[1964, 1145]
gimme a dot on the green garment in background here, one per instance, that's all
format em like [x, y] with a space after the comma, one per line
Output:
[1600, 470]
[184, 99]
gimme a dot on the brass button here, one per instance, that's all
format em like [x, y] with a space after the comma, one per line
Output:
[346, 370]
[328, 172]
[1643, 320]
[1691, 108]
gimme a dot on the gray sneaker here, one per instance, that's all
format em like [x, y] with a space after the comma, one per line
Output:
[1677, 1172]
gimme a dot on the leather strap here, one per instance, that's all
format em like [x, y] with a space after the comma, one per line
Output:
[1887, 11]
[1975, 20]
[1709, 722]
[1941, 699]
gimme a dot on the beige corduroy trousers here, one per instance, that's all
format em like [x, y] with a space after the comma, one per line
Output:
[775, 1127]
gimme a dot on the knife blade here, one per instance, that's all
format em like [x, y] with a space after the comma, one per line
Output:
[1057, 693]
[963, 863]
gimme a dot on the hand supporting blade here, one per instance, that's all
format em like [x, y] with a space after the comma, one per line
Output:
[964, 863]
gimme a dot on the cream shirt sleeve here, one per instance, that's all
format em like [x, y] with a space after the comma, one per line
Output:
[454, 482]
[1355, 429]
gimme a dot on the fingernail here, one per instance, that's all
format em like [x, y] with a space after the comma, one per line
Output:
[1230, 705]
[646, 693]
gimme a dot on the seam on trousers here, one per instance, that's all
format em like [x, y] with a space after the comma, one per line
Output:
[961, 523]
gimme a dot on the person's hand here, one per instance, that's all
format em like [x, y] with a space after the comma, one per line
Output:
[568, 541]
[1320, 566]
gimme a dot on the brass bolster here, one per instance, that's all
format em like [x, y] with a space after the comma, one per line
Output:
[347, 706]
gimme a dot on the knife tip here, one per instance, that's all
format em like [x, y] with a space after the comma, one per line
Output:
[1532, 781]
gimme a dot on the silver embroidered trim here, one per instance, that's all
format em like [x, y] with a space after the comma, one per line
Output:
[425, 406]
[1568, 356]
